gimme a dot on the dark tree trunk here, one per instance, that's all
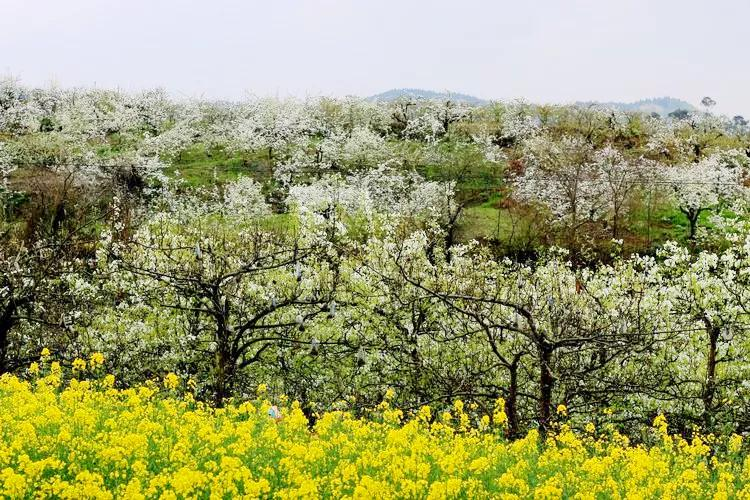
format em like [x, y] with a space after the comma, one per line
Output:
[6, 323]
[693, 219]
[225, 368]
[3, 349]
[709, 392]
[616, 221]
[546, 384]
[697, 151]
[511, 403]
[450, 233]
[226, 362]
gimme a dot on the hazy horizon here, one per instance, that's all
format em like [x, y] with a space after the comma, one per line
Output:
[554, 51]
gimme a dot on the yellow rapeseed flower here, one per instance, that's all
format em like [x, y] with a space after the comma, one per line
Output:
[171, 381]
[735, 443]
[499, 417]
[88, 439]
[660, 423]
[96, 359]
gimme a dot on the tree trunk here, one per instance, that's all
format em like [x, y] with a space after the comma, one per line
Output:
[511, 403]
[3, 349]
[6, 323]
[224, 376]
[709, 391]
[451, 227]
[546, 383]
[616, 220]
[693, 219]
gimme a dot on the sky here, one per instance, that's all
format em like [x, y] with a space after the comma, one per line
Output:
[539, 50]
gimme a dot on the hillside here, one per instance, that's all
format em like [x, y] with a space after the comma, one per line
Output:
[660, 105]
[393, 94]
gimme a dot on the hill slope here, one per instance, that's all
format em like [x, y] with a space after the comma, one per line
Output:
[393, 94]
[660, 105]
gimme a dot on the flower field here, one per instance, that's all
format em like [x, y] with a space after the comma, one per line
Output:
[86, 439]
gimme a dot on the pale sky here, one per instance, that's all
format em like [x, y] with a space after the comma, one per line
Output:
[543, 50]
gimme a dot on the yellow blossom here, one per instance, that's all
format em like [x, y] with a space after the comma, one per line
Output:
[87, 439]
[499, 417]
[660, 423]
[171, 381]
[96, 359]
[735, 443]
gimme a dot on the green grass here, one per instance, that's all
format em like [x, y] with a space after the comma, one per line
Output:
[643, 230]
[482, 222]
[199, 167]
[478, 184]
[665, 222]
[486, 222]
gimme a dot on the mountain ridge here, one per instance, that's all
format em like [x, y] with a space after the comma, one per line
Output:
[393, 94]
[661, 105]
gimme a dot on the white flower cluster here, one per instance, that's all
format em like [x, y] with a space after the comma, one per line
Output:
[385, 190]
[244, 198]
[7, 166]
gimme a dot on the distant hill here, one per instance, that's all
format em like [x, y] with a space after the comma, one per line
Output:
[393, 94]
[660, 105]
